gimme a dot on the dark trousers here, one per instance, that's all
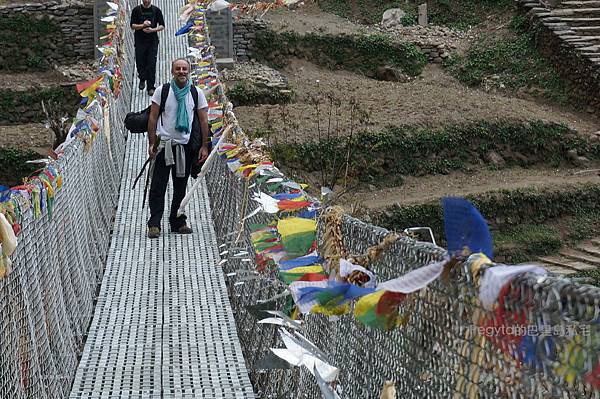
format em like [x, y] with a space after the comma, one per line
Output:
[158, 188]
[145, 60]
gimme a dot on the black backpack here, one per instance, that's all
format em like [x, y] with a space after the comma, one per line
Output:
[137, 122]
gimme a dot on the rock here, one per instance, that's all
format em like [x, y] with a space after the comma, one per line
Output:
[572, 155]
[437, 60]
[390, 74]
[521, 159]
[392, 17]
[495, 159]
[372, 187]
[581, 161]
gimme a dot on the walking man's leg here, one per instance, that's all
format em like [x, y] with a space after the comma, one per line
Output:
[178, 224]
[141, 64]
[158, 188]
[151, 56]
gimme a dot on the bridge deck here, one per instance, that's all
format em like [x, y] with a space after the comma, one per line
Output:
[163, 326]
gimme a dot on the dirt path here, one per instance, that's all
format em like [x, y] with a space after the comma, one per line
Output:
[427, 188]
[432, 99]
[33, 136]
[309, 18]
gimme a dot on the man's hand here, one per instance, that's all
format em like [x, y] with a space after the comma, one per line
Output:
[147, 24]
[149, 30]
[203, 154]
[151, 151]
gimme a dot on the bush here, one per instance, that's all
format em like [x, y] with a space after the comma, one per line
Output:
[509, 64]
[356, 53]
[13, 167]
[248, 94]
[407, 150]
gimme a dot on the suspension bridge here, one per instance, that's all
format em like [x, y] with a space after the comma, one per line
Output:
[178, 317]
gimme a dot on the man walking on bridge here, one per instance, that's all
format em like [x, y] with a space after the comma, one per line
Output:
[174, 142]
[147, 20]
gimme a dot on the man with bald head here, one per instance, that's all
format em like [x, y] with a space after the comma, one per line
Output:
[175, 139]
[146, 20]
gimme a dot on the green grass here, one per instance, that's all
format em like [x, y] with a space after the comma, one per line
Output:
[526, 241]
[421, 151]
[13, 167]
[511, 64]
[245, 93]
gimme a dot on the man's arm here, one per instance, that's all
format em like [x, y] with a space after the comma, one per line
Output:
[160, 23]
[203, 118]
[135, 18]
[152, 137]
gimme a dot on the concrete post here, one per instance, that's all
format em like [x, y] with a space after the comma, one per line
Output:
[423, 14]
[220, 27]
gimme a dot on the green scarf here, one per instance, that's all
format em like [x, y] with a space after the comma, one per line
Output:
[182, 124]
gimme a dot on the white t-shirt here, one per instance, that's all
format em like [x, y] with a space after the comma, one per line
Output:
[165, 126]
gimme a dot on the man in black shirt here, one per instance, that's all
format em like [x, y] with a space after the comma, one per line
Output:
[146, 20]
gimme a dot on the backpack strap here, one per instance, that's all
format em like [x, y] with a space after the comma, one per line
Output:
[164, 93]
[195, 97]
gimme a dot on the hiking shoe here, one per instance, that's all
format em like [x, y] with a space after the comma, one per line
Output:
[153, 232]
[185, 229]
[142, 85]
[151, 91]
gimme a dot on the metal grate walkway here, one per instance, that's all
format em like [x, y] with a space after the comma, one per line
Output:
[163, 326]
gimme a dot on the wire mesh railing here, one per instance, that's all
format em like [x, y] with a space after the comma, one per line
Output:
[63, 217]
[541, 338]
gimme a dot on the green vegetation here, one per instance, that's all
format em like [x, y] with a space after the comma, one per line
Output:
[524, 242]
[13, 167]
[459, 14]
[249, 94]
[463, 14]
[525, 223]
[421, 151]
[23, 31]
[22, 106]
[510, 63]
[356, 53]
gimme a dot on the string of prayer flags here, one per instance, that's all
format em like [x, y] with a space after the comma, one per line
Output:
[328, 297]
[8, 241]
[38, 193]
[381, 309]
[356, 274]
[298, 235]
[298, 352]
[306, 260]
[593, 377]
[572, 360]
[534, 350]
[507, 322]
[497, 277]
[465, 228]
[303, 273]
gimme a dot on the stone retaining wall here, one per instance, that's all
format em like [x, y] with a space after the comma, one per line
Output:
[36, 36]
[244, 35]
[24, 106]
[563, 48]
